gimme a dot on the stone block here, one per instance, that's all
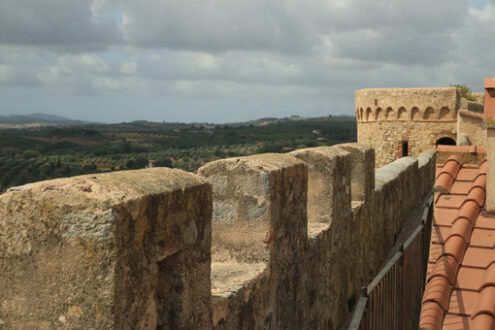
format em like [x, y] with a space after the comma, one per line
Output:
[259, 229]
[363, 170]
[329, 185]
[124, 250]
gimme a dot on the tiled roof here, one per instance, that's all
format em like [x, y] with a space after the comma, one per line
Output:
[460, 290]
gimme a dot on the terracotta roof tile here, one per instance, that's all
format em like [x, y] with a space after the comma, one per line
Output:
[462, 302]
[483, 322]
[469, 278]
[451, 201]
[486, 302]
[456, 322]
[489, 279]
[462, 227]
[447, 174]
[477, 195]
[431, 315]
[446, 266]
[467, 174]
[438, 290]
[483, 237]
[461, 265]
[469, 211]
[483, 166]
[446, 148]
[477, 257]
[439, 234]
[455, 246]
[443, 216]
[436, 250]
[485, 222]
[461, 187]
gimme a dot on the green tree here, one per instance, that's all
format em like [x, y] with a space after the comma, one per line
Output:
[28, 154]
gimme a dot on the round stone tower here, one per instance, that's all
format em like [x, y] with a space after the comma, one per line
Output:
[399, 122]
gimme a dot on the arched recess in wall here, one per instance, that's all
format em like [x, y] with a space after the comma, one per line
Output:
[444, 112]
[429, 113]
[379, 114]
[368, 114]
[445, 140]
[361, 114]
[415, 115]
[389, 114]
[402, 113]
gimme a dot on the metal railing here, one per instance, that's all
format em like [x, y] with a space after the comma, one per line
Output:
[393, 298]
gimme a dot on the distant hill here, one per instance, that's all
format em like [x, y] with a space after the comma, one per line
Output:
[37, 120]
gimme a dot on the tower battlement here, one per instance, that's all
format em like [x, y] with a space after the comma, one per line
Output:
[400, 122]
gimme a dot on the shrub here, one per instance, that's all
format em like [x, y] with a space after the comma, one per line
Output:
[28, 154]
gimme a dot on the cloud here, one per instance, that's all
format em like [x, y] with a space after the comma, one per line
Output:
[307, 56]
[216, 25]
[68, 25]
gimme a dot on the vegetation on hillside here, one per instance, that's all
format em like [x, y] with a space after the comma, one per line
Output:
[30, 155]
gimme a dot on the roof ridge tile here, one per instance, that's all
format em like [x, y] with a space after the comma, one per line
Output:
[446, 266]
[469, 210]
[432, 315]
[461, 227]
[455, 246]
[476, 195]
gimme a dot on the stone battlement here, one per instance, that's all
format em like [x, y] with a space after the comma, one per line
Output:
[404, 104]
[400, 122]
[279, 241]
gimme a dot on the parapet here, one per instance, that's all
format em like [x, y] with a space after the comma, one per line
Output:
[107, 251]
[363, 170]
[265, 241]
[329, 196]
[406, 104]
[259, 226]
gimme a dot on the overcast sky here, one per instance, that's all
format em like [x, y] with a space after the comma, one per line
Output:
[232, 60]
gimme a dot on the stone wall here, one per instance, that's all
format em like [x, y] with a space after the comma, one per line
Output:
[388, 137]
[470, 124]
[126, 250]
[295, 236]
[388, 118]
[351, 226]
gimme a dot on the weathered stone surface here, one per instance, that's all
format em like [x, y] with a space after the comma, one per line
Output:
[126, 250]
[390, 117]
[132, 249]
[363, 170]
[471, 125]
[259, 230]
[387, 137]
[329, 188]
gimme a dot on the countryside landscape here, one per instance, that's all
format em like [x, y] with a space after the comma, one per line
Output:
[43, 147]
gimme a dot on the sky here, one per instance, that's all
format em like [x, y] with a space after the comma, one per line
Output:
[232, 60]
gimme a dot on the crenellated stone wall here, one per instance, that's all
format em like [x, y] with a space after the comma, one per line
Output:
[399, 122]
[126, 250]
[275, 241]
